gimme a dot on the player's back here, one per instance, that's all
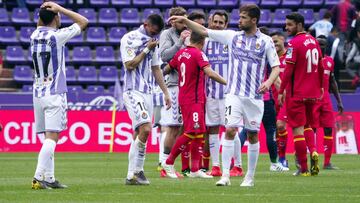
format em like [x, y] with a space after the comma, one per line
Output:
[48, 56]
[304, 51]
[328, 66]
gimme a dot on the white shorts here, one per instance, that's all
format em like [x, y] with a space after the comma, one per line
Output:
[172, 116]
[139, 107]
[215, 112]
[50, 113]
[243, 112]
[157, 115]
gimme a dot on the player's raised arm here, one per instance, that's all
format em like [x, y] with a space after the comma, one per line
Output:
[214, 75]
[77, 18]
[195, 27]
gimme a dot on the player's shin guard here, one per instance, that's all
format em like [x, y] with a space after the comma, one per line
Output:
[310, 139]
[45, 158]
[180, 145]
[140, 151]
[253, 155]
[214, 147]
[328, 146]
[227, 153]
[237, 151]
[131, 156]
[205, 159]
[185, 157]
[281, 140]
[196, 152]
[301, 151]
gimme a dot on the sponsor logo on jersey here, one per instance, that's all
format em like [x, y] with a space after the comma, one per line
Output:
[196, 125]
[289, 53]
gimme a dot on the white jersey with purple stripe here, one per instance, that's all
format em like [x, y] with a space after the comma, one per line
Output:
[141, 78]
[48, 55]
[248, 58]
[218, 55]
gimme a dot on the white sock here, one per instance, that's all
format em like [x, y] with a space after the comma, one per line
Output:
[45, 160]
[237, 151]
[253, 155]
[227, 153]
[164, 157]
[214, 146]
[140, 151]
[161, 145]
[131, 167]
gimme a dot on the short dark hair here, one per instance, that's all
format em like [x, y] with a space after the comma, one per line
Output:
[327, 15]
[177, 11]
[196, 38]
[253, 11]
[46, 16]
[221, 13]
[278, 33]
[297, 17]
[196, 15]
[156, 19]
[322, 37]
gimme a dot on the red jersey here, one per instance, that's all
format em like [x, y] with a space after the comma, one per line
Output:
[328, 66]
[282, 65]
[190, 63]
[305, 75]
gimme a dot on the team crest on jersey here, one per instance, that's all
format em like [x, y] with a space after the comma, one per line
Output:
[289, 53]
[226, 48]
[196, 125]
[130, 51]
[257, 46]
[144, 115]
[329, 64]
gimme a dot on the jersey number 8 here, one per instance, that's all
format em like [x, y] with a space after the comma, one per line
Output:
[182, 72]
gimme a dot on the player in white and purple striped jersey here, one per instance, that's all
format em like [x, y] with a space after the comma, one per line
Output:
[50, 104]
[141, 60]
[250, 51]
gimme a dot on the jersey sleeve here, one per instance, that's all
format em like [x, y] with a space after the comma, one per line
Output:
[67, 33]
[174, 61]
[202, 60]
[127, 49]
[291, 53]
[222, 36]
[156, 61]
[271, 54]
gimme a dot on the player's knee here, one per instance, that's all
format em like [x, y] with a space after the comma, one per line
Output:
[231, 132]
[145, 129]
[280, 126]
[253, 137]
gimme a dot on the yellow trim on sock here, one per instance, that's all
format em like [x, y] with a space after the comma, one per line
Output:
[189, 136]
[206, 157]
[283, 134]
[199, 136]
[299, 139]
[307, 129]
[328, 137]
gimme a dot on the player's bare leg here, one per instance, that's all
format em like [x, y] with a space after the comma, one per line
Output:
[253, 155]
[227, 154]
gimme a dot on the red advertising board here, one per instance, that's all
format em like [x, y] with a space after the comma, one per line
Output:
[90, 131]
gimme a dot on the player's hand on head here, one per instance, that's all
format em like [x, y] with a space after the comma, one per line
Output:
[167, 101]
[152, 44]
[184, 34]
[178, 19]
[51, 6]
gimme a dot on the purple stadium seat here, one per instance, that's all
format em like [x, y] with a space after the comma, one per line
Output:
[36, 15]
[331, 3]
[34, 2]
[111, 89]
[308, 16]
[100, 3]
[149, 11]
[108, 16]
[166, 14]
[8, 36]
[89, 13]
[75, 89]
[25, 33]
[67, 57]
[95, 89]
[121, 3]
[142, 3]
[313, 3]
[265, 17]
[280, 17]
[82, 55]
[105, 55]
[15, 54]
[4, 17]
[23, 74]
[115, 34]
[234, 17]
[270, 3]
[206, 3]
[27, 88]
[244, 2]
[96, 35]
[70, 74]
[77, 40]
[228, 3]
[20, 16]
[291, 3]
[163, 3]
[87, 74]
[130, 16]
[185, 3]
[322, 13]
[108, 74]
[199, 10]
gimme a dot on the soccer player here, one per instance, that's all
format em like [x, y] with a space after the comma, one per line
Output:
[141, 60]
[327, 120]
[303, 74]
[171, 41]
[49, 97]
[250, 49]
[192, 66]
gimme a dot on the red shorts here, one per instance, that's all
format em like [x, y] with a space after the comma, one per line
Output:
[326, 113]
[300, 112]
[194, 118]
[281, 113]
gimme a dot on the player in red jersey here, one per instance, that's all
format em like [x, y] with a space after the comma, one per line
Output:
[324, 107]
[303, 74]
[281, 118]
[192, 65]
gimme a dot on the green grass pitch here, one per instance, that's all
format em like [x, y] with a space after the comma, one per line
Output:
[99, 177]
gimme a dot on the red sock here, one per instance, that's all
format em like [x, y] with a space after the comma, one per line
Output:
[310, 139]
[196, 151]
[300, 151]
[328, 147]
[185, 157]
[180, 146]
[205, 158]
[281, 142]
